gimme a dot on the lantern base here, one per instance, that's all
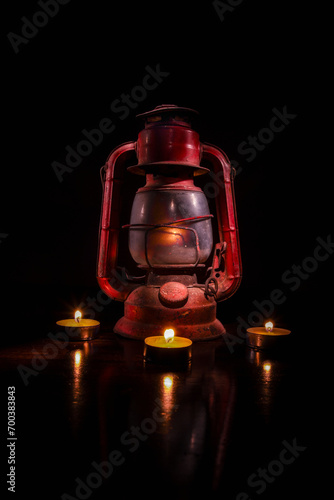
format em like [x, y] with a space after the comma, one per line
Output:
[145, 314]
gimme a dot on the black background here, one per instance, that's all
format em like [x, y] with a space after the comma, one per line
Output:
[234, 72]
[263, 55]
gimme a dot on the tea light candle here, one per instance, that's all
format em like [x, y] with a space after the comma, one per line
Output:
[266, 337]
[168, 349]
[79, 328]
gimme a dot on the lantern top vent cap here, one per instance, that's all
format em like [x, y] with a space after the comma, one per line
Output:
[165, 110]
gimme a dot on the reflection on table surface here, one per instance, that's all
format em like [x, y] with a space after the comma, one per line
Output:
[98, 420]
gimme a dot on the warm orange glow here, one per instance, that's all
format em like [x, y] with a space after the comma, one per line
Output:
[269, 326]
[169, 334]
[77, 316]
[267, 367]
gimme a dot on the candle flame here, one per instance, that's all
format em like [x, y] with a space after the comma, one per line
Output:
[267, 367]
[77, 316]
[169, 334]
[269, 326]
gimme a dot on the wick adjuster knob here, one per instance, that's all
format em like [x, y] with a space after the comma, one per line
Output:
[173, 294]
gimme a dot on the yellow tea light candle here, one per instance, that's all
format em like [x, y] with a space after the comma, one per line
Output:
[267, 336]
[79, 328]
[168, 348]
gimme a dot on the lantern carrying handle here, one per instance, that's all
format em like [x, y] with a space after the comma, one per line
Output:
[228, 273]
[113, 282]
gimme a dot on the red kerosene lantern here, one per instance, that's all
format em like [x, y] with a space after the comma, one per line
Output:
[171, 231]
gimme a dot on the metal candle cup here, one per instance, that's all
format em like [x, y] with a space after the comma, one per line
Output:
[267, 338]
[173, 352]
[85, 329]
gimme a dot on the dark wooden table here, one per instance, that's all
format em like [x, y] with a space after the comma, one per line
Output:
[93, 420]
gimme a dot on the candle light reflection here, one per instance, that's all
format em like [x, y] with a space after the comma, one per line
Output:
[168, 382]
[269, 371]
[79, 358]
[267, 367]
[168, 387]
